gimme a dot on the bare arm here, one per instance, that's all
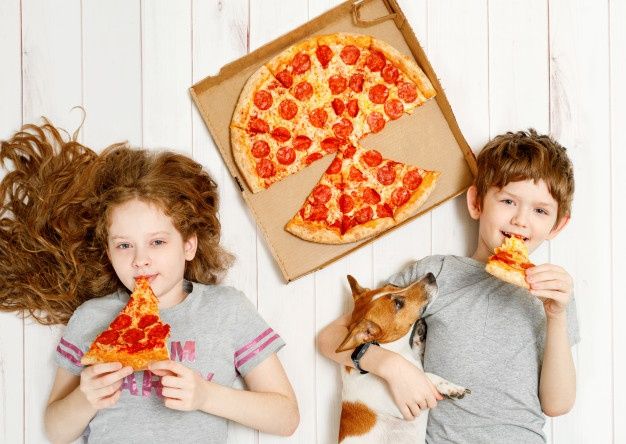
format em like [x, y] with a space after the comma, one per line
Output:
[269, 405]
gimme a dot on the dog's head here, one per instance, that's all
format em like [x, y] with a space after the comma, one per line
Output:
[386, 314]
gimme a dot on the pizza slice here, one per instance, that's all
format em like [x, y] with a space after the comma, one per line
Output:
[510, 262]
[136, 337]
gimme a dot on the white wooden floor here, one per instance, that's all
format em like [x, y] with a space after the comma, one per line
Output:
[557, 65]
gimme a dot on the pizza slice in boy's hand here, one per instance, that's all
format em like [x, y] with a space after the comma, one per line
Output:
[510, 262]
[136, 337]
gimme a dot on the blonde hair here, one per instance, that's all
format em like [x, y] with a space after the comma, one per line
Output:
[56, 202]
[527, 155]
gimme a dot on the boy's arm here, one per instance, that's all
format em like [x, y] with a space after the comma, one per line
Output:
[411, 389]
[269, 405]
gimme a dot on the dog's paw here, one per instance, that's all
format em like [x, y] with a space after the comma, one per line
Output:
[452, 391]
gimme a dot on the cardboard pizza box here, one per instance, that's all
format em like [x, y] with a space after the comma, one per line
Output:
[429, 138]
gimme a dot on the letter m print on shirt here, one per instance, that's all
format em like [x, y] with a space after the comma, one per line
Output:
[182, 353]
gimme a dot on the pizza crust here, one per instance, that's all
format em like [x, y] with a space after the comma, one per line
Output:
[310, 231]
[245, 102]
[507, 274]
[345, 38]
[138, 361]
[418, 198]
[241, 147]
[284, 58]
[368, 229]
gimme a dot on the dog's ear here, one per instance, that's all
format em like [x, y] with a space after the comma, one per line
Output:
[357, 290]
[364, 331]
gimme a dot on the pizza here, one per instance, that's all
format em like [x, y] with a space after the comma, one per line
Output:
[136, 337]
[510, 262]
[321, 97]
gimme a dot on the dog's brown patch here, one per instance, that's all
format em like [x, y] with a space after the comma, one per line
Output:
[356, 419]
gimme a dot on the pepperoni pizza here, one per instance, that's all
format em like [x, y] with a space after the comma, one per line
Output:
[321, 96]
[136, 337]
[510, 261]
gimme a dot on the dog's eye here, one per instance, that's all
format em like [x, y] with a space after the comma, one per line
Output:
[399, 303]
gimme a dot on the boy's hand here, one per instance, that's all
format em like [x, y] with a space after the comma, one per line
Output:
[553, 285]
[183, 388]
[412, 391]
[100, 383]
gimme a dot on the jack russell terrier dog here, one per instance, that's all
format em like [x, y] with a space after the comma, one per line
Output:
[386, 315]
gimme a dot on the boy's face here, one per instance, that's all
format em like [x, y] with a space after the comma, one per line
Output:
[524, 208]
[143, 242]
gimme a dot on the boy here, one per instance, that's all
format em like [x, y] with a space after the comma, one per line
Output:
[511, 348]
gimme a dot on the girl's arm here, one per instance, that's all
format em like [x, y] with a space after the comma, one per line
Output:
[412, 391]
[269, 405]
[74, 400]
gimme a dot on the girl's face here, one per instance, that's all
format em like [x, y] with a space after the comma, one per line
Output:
[143, 242]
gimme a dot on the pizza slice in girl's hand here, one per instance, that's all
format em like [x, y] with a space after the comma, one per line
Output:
[510, 262]
[136, 337]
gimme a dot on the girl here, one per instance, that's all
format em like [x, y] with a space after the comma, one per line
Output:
[76, 228]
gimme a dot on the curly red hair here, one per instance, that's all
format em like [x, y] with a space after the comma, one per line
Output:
[56, 200]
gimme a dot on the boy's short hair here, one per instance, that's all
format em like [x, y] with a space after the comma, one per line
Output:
[525, 155]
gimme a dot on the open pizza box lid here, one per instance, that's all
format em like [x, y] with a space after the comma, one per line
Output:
[429, 138]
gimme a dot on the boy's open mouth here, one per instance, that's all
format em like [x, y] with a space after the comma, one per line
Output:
[519, 236]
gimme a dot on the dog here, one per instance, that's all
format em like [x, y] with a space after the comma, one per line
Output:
[386, 315]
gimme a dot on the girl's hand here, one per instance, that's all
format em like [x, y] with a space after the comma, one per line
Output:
[100, 383]
[553, 285]
[411, 389]
[183, 388]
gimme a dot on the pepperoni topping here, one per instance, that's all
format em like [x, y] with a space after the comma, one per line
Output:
[265, 168]
[321, 194]
[347, 223]
[324, 54]
[386, 174]
[301, 63]
[371, 196]
[258, 125]
[318, 117]
[121, 321]
[346, 203]
[364, 215]
[133, 335]
[334, 167]
[147, 320]
[159, 331]
[303, 91]
[288, 109]
[384, 211]
[338, 106]
[286, 155]
[281, 134]
[412, 179]
[375, 60]
[372, 158]
[353, 107]
[263, 99]
[356, 82]
[376, 121]
[343, 128]
[407, 92]
[378, 93]
[301, 143]
[390, 73]
[331, 144]
[349, 151]
[400, 195]
[312, 158]
[318, 212]
[108, 337]
[260, 148]
[285, 78]
[337, 84]
[394, 109]
[350, 54]
[356, 175]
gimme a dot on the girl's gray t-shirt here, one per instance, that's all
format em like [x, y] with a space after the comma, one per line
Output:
[215, 331]
[486, 335]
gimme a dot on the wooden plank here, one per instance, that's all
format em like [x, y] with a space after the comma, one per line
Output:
[52, 85]
[579, 118]
[220, 34]
[617, 41]
[11, 326]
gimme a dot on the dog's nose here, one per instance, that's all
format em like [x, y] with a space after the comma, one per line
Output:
[430, 278]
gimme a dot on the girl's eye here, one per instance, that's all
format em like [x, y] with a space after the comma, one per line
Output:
[123, 246]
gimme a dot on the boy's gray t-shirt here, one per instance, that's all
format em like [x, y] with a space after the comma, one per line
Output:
[486, 335]
[216, 331]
